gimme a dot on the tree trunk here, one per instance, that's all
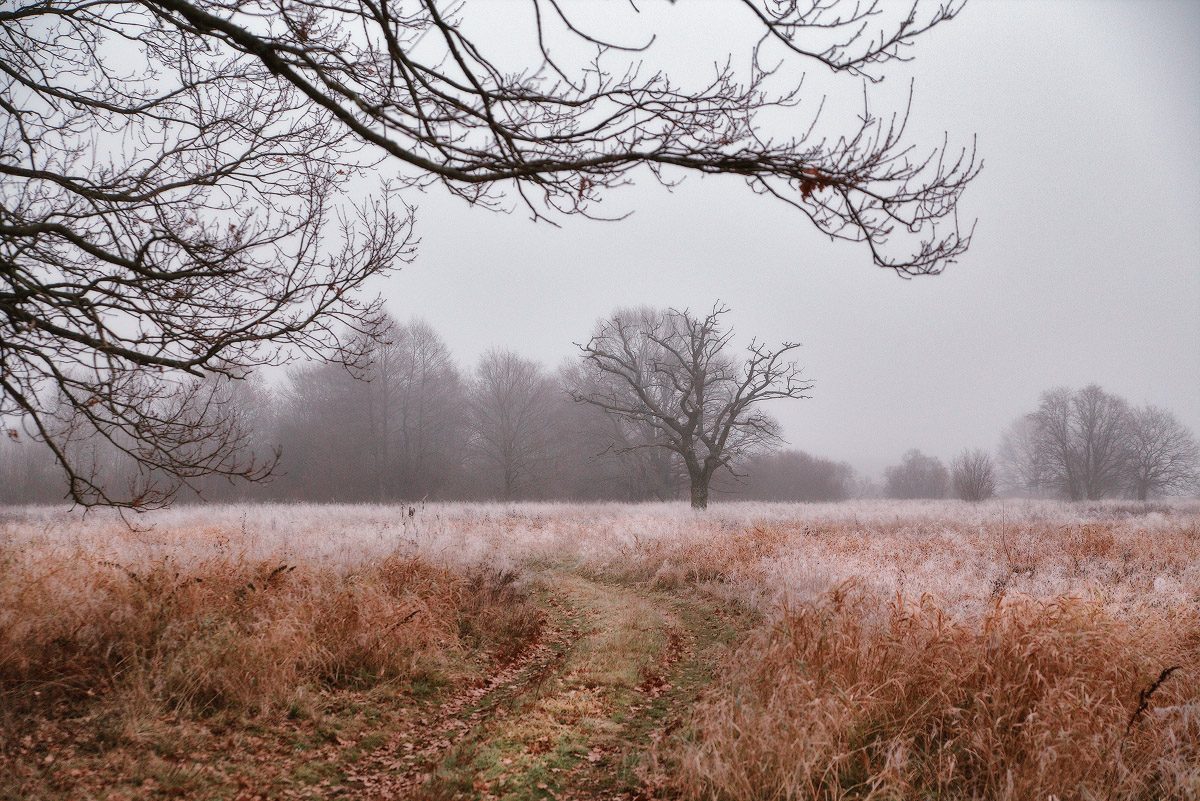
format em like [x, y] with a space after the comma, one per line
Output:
[699, 492]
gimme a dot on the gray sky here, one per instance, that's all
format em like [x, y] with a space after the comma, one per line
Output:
[1085, 265]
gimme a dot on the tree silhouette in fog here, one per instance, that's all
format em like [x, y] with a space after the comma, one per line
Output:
[512, 405]
[670, 374]
[1090, 444]
[917, 476]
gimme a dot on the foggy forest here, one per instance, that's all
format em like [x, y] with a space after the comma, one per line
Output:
[407, 424]
[735, 400]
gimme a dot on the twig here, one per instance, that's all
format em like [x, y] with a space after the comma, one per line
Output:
[1144, 697]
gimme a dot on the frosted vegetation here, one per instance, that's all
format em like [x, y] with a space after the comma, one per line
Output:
[1004, 649]
[1124, 555]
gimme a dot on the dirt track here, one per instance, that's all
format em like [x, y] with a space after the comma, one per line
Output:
[578, 715]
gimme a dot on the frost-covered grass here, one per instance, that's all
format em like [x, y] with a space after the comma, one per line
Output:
[908, 649]
[1125, 555]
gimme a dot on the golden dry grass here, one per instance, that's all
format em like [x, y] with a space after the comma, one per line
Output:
[855, 696]
[942, 653]
[159, 638]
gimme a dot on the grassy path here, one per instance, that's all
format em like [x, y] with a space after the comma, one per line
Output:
[577, 717]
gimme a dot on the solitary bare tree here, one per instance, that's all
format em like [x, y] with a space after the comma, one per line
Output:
[973, 476]
[669, 374]
[174, 178]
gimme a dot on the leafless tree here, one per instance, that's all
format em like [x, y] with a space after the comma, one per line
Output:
[612, 466]
[28, 474]
[415, 409]
[668, 374]
[1102, 428]
[170, 212]
[429, 414]
[1023, 467]
[1082, 439]
[1164, 458]
[917, 476]
[1088, 444]
[1055, 439]
[391, 427]
[512, 404]
[250, 406]
[973, 476]
[174, 179]
[324, 436]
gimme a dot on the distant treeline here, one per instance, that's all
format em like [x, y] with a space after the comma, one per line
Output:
[407, 423]
[1078, 445]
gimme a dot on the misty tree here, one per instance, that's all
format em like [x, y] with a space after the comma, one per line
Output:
[176, 179]
[512, 405]
[670, 374]
[171, 213]
[251, 407]
[390, 427]
[205, 422]
[1082, 439]
[1088, 444]
[28, 474]
[323, 435]
[917, 476]
[1163, 456]
[615, 466]
[1023, 466]
[416, 406]
[793, 475]
[973, 476]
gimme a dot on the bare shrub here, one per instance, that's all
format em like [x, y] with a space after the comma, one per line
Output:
[973, 476]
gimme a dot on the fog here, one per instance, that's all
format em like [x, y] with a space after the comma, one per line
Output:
[1077, 299]
[1083, 267]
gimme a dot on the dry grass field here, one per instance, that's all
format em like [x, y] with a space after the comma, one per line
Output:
[874, 650]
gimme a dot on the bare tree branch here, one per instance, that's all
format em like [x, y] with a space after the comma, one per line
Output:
[176, 200]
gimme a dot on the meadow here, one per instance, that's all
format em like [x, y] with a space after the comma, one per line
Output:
[866, 650]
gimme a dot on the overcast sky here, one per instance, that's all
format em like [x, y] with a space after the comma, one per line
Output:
[1085, 265]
